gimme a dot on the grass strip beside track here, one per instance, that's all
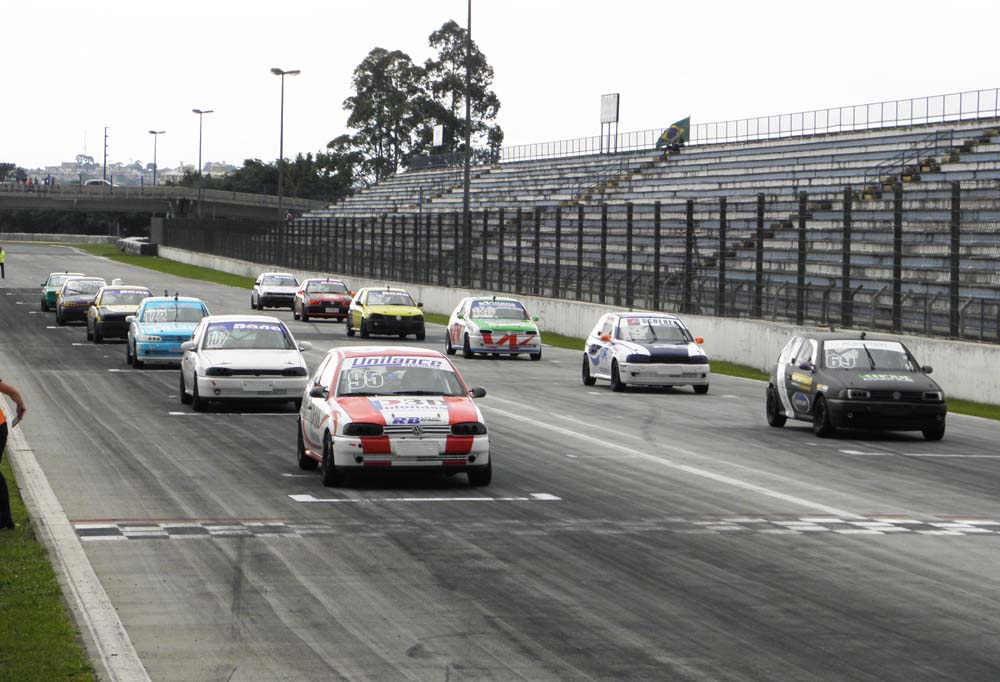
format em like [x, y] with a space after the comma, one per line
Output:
[38, 642]
[551, 339]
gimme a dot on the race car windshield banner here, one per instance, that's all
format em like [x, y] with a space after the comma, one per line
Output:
[247, 335]
[505, 310]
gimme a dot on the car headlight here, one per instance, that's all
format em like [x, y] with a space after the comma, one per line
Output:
[934, 396]
[151, 338]
[217, 372]
[468, 429]
[637, 357]
[375, 316]
[855, 394]
[293, 372]
[363, 429]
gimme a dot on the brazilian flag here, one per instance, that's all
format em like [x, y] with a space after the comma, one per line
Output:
[677, 134]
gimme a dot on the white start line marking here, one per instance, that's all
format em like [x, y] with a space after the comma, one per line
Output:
[859, 453]
[542, 497]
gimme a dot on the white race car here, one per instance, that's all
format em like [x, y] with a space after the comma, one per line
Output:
[495, 325]
[242, 357]
[373, 407]
[274, 290]
[644, 349]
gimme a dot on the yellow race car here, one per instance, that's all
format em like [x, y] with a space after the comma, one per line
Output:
[385, 310]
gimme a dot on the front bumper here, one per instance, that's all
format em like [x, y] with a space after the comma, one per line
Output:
[249, 387]
[73, 313]
[50, 298]
[115, 327]
[890, 416]
[390, 325]
[334, 310]
[276, 300]
[521, 343]
[662, 374]
[454, 453]
[167, 353]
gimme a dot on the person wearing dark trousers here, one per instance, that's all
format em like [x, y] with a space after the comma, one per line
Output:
[6, 519]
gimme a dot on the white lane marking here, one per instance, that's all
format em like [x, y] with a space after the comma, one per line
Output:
[298, 475]
[731, 396]
[34, 312]
[18, 302]
[56, 327]
[542, 497]
[859, 453]
[570, 455]
[696, 471]
[92, 603]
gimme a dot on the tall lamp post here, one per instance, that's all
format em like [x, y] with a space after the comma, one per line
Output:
[466, 214]
[281, 140]
[155, 133]
[201, 178]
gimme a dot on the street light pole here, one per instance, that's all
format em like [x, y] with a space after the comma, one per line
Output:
[466, 215]
[201, 180]
[281, 140]
[155, 133]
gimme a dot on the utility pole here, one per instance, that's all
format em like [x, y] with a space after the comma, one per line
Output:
[466, 214]
[105, 176]
[281, 141]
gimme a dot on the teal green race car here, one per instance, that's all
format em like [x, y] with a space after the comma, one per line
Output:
[494, 325]
[52, 285]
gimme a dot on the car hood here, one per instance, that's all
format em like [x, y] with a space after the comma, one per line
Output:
[410, 409]
[125, 309]
[178, 328]
[328, 297]
[504, 325]
[401, 310]
[879, 380]
[253, 359]
[665, 351]
[85, 298]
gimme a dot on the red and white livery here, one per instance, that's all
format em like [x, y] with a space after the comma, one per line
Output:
[377, 407]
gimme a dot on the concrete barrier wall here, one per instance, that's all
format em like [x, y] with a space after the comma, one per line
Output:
[62, 238]
[965, 370]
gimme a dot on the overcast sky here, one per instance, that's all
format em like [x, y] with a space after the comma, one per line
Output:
[71, 68]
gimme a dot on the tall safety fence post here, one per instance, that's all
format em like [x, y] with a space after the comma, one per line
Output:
[629, 284]
[579, 252]
[720, 303]
[485, 241]
[501, 227]
[657, 236]
[897, 258]
[517, 253]
[688, 256]
[800, 271]
[846, 296]
[536, 289]
[456, 251]
[758, 258]
[440, 250]
[955, 253]
[604, 254]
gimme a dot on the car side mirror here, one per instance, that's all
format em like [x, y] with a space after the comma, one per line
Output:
[460, 316]
[305, 345]
[351, 294]
[927, 369]
[319, 391]
[477, 392]
[187, 345]
[605, 337]
[43, 284]
[699, 340]
[807, 366]
[420, 305]
[130, 319]
[534, 318]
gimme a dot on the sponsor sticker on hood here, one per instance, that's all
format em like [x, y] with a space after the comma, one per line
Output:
[411, 410]
[886, 377]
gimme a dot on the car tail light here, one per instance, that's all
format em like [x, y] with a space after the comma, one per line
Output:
[363, 429]
[468, 429]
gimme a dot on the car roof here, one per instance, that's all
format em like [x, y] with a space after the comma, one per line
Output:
[242, 318]
[283, 274]
[845, 336]
[494, 298]
[161, 299]
[71, 274]
[86, 278]
[396, 289]
[367, 351]
[629, 313]
[125, 286]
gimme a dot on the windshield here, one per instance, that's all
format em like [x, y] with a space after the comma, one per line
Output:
[498, 310]
[81, 287]
[247, 336]
[398, 375]
[173, 311]
[327, 288]
[280, 281]
[864, 354]
[123, 296]
[652, 330]
[57, 280]
[389, 298]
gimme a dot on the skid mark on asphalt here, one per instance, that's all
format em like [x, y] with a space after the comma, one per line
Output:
[831, 526]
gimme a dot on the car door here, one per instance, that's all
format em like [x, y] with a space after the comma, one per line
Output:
[597, 346]
[358, 308]
[189, 358]
[255, 293]
[313, 407]
[456, 325]
[799, 383]
[92, 313]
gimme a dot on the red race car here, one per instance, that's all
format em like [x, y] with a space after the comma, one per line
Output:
[319, 297]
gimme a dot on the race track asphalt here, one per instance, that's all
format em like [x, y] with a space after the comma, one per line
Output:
[650, 535]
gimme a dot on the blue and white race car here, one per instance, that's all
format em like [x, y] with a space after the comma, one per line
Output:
[644, 349]
[160, 326]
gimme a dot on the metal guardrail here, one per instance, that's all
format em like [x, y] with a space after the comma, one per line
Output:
[897, 163]
[163, 192]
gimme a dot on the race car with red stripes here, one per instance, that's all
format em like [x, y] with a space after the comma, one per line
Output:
[378, 408]
[494, 325]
